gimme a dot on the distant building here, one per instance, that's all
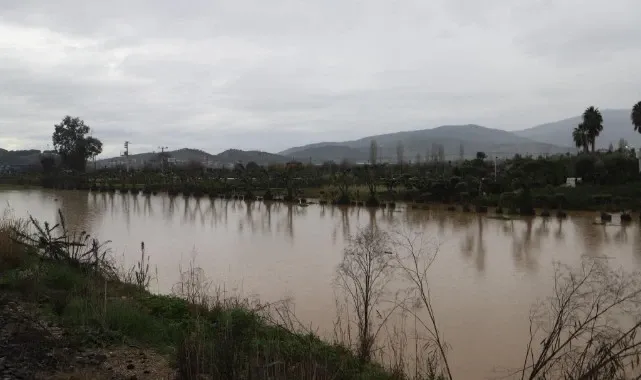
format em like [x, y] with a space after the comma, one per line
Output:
[572, 181]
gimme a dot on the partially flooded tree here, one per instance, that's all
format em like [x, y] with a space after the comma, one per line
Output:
[588, 328]
[364, 273]
[414, 256]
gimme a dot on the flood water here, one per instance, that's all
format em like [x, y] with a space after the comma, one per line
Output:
[486, 277]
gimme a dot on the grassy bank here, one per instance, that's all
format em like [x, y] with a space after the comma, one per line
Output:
[73, 281]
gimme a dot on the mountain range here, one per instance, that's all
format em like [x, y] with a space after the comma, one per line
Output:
[617, 124]
[549, 138]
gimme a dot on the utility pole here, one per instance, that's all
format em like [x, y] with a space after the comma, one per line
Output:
[162, 158]
[495, 169]
[126, 154]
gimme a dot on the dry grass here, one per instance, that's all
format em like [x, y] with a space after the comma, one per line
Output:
[11, 253]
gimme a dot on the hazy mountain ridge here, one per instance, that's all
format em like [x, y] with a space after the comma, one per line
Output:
[474, 138]
[229, 156]
[549, 138]
[616, 125]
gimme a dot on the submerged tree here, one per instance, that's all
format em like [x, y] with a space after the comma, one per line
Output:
[364, 273]
[72, 143]
[582, 329]
[414, 257]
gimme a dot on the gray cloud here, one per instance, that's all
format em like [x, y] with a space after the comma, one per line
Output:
[251, 74]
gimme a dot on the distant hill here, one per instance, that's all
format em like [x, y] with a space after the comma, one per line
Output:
[474, 138]
[616, 125]
[245, 156]
[19, 157]
[230, 156]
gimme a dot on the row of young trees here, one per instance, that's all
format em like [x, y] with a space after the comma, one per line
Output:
[585, 134]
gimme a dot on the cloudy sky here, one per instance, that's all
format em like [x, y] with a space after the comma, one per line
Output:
[256, 74]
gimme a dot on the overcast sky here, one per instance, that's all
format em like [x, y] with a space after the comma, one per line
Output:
[257, 74]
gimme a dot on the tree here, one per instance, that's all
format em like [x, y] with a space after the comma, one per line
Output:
[373, 152]
[414, 257]
[481, 156]
[593, 124]
[635, 116]
[580, 137]
[623, 145]
[48, 162]
[577, 328]
[252, 166]
[364, 273]
[72, 144]
[400, 153]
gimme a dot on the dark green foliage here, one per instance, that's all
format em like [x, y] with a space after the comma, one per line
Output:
[635, 117]
[473, 182]
[524, 202]
[72, 143]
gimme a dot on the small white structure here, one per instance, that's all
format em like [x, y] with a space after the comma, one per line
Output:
[572, 181]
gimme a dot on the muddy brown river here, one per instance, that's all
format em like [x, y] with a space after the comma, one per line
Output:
[486, 277]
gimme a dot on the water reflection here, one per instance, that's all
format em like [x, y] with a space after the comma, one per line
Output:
[473, 244]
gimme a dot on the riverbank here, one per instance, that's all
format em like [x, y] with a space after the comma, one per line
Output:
[585, 197]
[94, 310]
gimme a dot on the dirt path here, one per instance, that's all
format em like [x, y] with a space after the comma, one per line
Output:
[33, 348]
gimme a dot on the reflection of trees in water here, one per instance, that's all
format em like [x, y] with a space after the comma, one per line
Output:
[343, 224]
[621, 236]
[543, 230]
[124, 208]
[637, 244]
[110, 201]
[524, 246]
[148, 210]
[559, 234]
[192, 210]
[74, 206]
[186, 215]
[248, 220]
[345, 221]
[414, 218]
[371, 212]
[473, 244]
[135, 203]
[170, 207]
[288, 221]
[266, 217]
[461, 221]
[592, 235]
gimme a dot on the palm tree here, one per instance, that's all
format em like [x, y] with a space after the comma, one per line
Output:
[593, 123]
[636, 117]
[580, 137]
